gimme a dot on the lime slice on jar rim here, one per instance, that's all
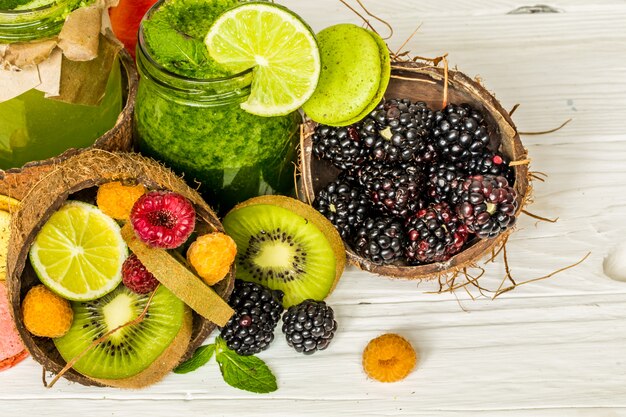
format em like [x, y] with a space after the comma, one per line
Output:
[280, 48]
[79, 252]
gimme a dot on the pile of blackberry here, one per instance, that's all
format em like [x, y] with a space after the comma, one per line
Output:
[417, 185]
[308, 327]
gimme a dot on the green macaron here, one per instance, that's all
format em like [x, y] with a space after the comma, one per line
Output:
[350, 80]
[385, 60]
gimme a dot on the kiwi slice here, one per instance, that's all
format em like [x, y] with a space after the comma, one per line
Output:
[287, 245]
[126, 354]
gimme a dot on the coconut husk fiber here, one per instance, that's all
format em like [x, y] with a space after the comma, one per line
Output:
[422, 82]
[16, 182]
[78, 176]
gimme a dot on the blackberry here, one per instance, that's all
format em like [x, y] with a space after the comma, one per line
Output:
[309, 326]
[392, 188]
[428, 156]
[487, 205]
[257, 311]
[459, 132]
[340, 145]
[443, 183]
[434, 235]
[345, 205]
[380, 240]
[490, 163]
[397, 130]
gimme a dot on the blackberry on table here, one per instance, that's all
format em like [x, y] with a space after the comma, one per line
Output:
[346, 205]
[257, 312]
[309, 326]
[340, 145]
[393, 188]
[380, 239]
[487, 205]
[434, 234]
[460, 131]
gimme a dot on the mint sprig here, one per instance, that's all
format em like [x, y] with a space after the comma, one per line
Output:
[247, 373]
[200, 357]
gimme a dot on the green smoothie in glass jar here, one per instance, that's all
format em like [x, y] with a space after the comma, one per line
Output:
[34, 127]
[188, 111]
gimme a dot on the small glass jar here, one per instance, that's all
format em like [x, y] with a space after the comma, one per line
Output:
[197, 127]
[33, 127]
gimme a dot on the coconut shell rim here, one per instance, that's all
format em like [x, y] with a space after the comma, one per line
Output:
[508, 131]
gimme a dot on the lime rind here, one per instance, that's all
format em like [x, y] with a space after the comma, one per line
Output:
[279, 46]
[78, 253]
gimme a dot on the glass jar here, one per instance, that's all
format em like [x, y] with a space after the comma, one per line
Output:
[197, 127]
[33, 127]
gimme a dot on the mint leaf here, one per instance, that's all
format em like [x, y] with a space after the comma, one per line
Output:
[247, 373]
[199, 358]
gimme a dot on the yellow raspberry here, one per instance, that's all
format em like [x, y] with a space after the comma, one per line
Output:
[116, 199]
[389, 358]
[45, 313]
[211, 255]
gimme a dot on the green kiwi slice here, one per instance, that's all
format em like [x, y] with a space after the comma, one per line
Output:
[129, 350]
[287, 245]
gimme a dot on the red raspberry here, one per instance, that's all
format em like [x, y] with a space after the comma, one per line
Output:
[163, 219]
[136, 277]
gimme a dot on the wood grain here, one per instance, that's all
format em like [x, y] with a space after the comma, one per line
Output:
[552, 348]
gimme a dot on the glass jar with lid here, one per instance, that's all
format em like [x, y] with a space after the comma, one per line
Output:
[33, 125]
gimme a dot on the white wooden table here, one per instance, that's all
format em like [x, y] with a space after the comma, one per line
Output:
[552, 348]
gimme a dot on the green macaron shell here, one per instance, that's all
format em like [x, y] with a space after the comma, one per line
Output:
[350, 77]
[385, 60]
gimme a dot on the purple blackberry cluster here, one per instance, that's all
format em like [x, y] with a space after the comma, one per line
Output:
[417, 185]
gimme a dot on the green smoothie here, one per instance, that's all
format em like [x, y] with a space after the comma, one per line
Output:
[23, 4]
[34, 128]
[188, 115]
[174, 36]
[30, 20]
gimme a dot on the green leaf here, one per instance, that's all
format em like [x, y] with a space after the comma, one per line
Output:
[247, 373]
[200, 357]
[175, 48]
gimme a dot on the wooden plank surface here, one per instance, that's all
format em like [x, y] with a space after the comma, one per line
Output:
[551, 348]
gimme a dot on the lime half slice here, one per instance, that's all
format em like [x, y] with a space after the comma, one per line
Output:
[79, 252]
[278, 45]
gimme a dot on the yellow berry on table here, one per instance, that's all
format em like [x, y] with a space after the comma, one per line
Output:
[389, 358]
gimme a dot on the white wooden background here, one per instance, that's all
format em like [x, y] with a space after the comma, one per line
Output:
[553, 348]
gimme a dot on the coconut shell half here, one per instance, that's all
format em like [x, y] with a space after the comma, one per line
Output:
[78, 176]
[420, 82]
